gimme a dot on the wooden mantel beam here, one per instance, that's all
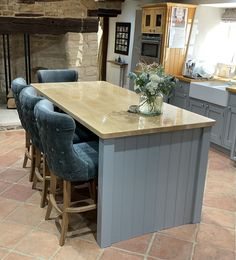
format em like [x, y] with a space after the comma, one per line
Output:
[45, 25]
[103, 12]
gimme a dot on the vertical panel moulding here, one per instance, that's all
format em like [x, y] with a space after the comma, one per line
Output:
[173, 173]
[182, 178]
[128, 193]
[105, 191]
[139, 184]
[162, 179]
[190, 194]
[201, 173]
[151, 182]
[118, 182]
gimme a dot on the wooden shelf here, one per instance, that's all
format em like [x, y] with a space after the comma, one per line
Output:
[121, 64]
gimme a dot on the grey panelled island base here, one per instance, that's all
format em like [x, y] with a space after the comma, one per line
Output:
[151, 169]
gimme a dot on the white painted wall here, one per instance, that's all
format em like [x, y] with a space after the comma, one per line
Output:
[212, 41]
[127, 16]
[206, 36]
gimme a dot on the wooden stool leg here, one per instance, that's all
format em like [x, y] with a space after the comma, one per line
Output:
[33, 162]
[46, 181]
[37, 167]
[93, 190]
[27, 149]
[65, 214]
[53, 185]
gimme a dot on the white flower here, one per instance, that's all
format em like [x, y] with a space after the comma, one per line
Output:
[155, 78]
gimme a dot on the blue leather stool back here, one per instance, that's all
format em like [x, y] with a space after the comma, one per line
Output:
[17, 85]
[28, 100]
[56, 132]
[59, 75]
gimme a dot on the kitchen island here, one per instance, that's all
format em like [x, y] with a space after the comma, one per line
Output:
[151, 169]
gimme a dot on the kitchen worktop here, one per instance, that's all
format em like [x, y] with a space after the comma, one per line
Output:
[231, 88]
[102, 108]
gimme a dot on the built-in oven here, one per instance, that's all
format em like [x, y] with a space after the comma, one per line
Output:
[151, 48]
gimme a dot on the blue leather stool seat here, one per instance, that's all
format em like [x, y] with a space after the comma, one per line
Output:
[57, 75]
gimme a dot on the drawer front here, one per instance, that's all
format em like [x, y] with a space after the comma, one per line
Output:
[182, 87]
[232, 100]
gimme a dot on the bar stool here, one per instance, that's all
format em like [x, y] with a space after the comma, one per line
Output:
[28, 99]
[17, 85]
[57, 75]
[66, 161]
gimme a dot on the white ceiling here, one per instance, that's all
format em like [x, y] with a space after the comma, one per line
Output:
[222, 5]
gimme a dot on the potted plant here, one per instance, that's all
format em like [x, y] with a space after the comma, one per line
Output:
[152, 83]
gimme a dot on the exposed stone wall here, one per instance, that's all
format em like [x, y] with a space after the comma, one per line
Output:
[72, 50]
[60, 8]
[81, 52]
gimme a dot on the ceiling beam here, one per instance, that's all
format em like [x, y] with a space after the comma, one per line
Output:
[45, 25]
[103, 12]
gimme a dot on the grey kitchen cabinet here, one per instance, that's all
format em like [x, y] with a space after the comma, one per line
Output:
[212, 111]
[180, 100]
[180, 95]
[230, 123]
[197, 106]
[217, 113]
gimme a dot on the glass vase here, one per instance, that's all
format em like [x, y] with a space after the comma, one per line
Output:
[151, 105]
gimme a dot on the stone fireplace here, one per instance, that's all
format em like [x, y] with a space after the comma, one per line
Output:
[77, 49]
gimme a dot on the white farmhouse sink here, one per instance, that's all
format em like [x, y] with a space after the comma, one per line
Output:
[212, 91]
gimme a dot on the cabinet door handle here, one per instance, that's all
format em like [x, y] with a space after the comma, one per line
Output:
[229, 108]
[202, 105]
[207, 106]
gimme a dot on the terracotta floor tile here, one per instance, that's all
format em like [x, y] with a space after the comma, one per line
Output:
[222, 176]
[218, 217]
[25, 180]
[220, 200]
[7, 206]
[18, 192]
[4, 185]
[12, 233]
[138, 244]
[165, 247]
[206, 251]
[17, 256]
[114, 254]
[76, 249]
[49, 226]
[185, 232]
[12, 175]
[34, 199]
[19, 163]
[39, 244]
[218, 165]
[220, 187]
[3, 253]
[28, 215]
[7, 159]
[2, 168]
[217, 236]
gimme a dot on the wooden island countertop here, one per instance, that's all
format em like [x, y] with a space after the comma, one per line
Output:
[102, 108]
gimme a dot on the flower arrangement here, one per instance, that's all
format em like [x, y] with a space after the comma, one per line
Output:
[151, 83]
[152, 80]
